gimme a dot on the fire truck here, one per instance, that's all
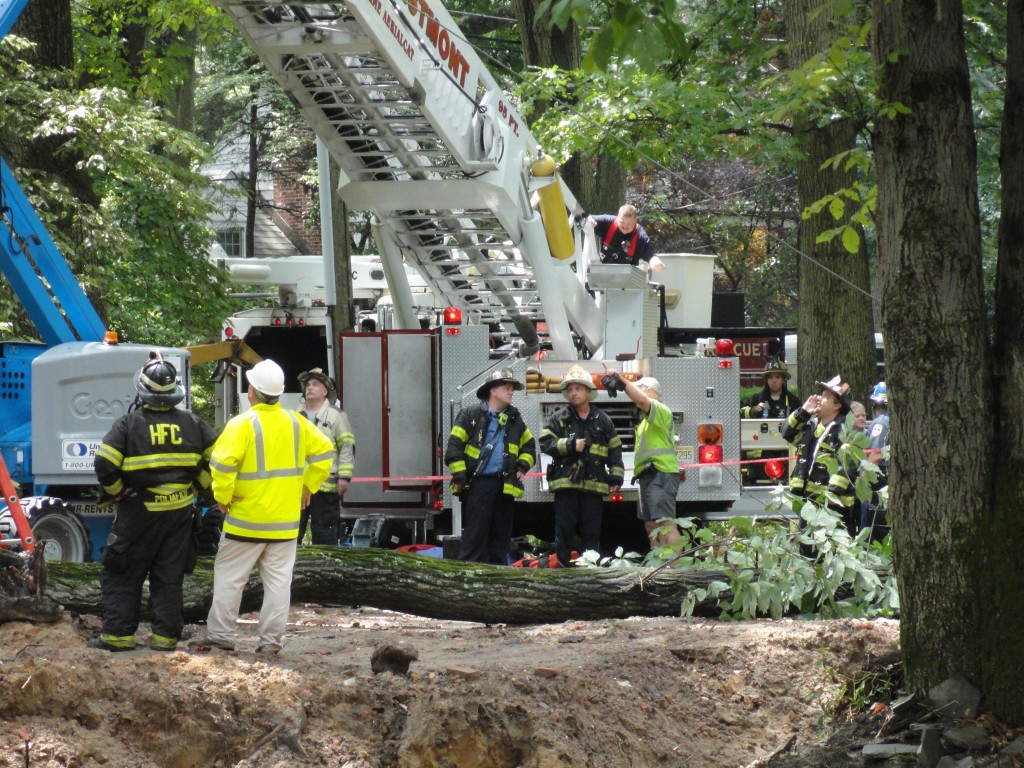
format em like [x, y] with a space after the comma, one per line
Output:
[462, 196]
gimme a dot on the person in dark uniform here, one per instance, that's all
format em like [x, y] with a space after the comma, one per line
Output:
[586, 464]
[815, 430]
[774, 401]
[621, 240]
[489, 450]
[149, 463]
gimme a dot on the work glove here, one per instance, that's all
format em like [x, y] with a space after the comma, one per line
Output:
[458, 482]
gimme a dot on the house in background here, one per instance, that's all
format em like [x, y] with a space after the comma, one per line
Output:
[281, 206]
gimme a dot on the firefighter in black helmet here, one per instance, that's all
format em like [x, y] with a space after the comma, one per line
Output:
[774, 401]
[149, 463]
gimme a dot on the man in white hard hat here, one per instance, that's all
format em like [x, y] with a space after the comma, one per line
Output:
[655, 466]
[265, 466]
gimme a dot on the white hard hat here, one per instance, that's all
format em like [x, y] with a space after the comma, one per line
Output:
[651, 383]
[267, 377]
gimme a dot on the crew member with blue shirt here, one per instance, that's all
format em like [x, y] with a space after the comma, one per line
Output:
[489, 450]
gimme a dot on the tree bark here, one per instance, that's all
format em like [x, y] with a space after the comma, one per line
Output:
[548, 46]
[944, 425]
[1002, 629]
[835, 324]
[428, 586]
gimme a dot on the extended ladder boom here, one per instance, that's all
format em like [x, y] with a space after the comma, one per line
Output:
[430, 145]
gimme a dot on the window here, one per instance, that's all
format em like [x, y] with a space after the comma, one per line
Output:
[231, 241]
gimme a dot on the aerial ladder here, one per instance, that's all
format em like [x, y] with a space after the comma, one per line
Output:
[430, 145]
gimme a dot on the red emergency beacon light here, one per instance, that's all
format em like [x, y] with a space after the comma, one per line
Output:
[774, 468]
[724, 348]
[452, 319]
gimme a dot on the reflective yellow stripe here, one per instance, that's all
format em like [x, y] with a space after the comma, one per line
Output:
[160, 461]
[111, 454]
[459, 433]
[457, 466]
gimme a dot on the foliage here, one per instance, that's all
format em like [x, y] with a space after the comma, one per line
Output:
[121, 201]
[800, 558]
[137, 46]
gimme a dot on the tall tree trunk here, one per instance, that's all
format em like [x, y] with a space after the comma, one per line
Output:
[548, 46]
[835, 321]
[1003, 629]
[937, 359]
[181, 98]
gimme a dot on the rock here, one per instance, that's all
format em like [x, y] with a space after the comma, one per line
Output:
[545, 672]
[886, 751]
[466, 672]
[393, 657]
[954, 698]
[967, 737]
[952, 762]
[1015, 747]
[931, 750]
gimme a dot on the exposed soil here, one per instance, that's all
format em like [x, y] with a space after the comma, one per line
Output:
[638, 692]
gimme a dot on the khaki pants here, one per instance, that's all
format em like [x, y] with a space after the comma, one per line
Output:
[235, 562]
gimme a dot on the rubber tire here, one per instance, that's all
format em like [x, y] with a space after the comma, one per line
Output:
[62, 534]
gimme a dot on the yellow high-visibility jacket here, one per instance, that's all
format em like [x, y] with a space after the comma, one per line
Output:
[260, 464]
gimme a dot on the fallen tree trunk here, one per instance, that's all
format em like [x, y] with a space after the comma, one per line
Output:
[22, 587]
[428, 586]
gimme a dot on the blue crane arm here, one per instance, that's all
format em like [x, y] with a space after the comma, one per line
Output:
[10, 10]
[29, 258]
[38, 273]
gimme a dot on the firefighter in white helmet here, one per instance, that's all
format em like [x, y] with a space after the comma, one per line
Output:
[586, 464]
[821, 474]
[266, 465]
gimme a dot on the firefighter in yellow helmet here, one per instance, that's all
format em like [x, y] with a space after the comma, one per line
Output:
[266, 464]
[586, 464]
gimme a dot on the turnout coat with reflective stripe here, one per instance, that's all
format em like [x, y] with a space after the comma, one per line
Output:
[601, 460]
[260, 464]
[465, 443]
[334, 423]
[158, 453]
[819, 468]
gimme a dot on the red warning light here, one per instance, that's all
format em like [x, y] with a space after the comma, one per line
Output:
[774, 468]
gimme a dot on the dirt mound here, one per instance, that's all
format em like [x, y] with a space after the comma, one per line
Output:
[608, 694]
